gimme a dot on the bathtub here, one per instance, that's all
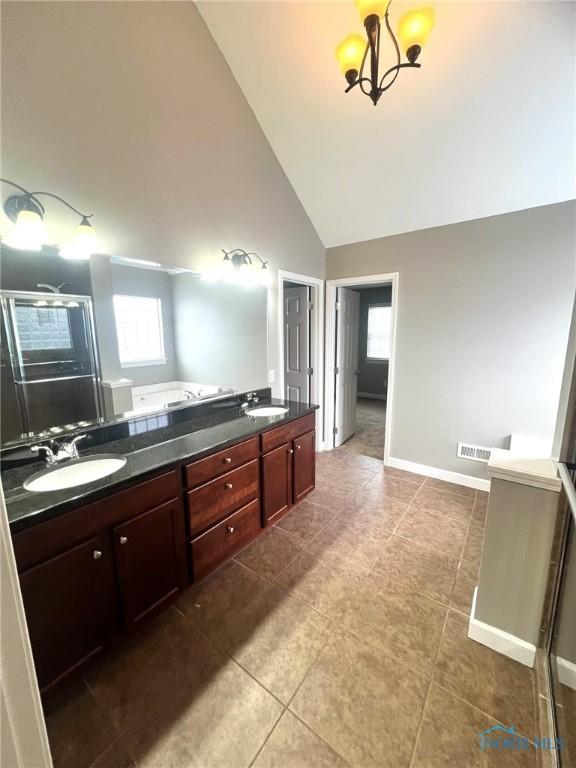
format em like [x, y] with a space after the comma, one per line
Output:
[169, 392]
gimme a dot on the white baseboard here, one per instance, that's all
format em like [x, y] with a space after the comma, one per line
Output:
[440, 474]
[370, 396]
[566, 672]
[500, 641]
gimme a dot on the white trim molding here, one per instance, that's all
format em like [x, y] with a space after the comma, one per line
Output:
[370, 396]
[393, 279]
[439, 474]
[566, 672]
[317, 395]
[23, 737]
[500, 641]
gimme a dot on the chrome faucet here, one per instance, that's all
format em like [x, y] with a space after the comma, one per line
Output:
[249, 400]
[54, 453]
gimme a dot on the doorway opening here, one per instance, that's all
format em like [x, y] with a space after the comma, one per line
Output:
[360, 341]
[301, 342]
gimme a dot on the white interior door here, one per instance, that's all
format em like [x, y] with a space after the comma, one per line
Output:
[346, 371]
[297, 371]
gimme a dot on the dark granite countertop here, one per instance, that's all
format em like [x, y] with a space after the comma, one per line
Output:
[145, 454]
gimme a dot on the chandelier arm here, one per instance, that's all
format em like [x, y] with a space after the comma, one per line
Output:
[25, 191]
[361, 83]
[395, 69]
[61, 199]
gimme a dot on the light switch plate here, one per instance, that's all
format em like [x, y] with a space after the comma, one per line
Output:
[271, 376]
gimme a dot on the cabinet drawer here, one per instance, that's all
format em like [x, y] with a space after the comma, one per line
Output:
[216, 499]
[288, 432]
[212, 466]
[224, 539]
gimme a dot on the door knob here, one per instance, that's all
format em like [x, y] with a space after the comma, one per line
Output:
[228, 486]
[123, 539]
[97, 554]
[227, 460]
[230, 529]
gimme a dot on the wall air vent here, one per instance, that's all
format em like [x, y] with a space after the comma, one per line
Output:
[473, 452]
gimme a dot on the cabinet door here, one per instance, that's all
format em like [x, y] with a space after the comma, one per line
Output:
[304, 464]
[151, 559]
[276, 482]
[70, 603]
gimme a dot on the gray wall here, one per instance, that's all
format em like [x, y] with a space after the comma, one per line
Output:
[130, 111]
[132, 281]
[373, 377]
[483, 318]
[220, 333]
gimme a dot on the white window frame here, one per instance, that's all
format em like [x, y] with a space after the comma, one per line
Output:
[378, 360]
[152, 361]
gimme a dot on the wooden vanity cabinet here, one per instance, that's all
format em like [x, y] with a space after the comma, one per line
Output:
[288, 470]
[104, 567]
[71, 608]
[277, 476]
[304, 465]
[149, 553]
[89, 573]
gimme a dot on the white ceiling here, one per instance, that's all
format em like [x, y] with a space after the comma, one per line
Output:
[486, 126]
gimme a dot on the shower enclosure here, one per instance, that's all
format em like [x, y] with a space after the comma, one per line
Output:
[49, 366]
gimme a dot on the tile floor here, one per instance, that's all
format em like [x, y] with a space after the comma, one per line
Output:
[368, 439]
[337, 639]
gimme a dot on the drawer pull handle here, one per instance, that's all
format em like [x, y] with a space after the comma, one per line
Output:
[123, 539]
[227, 460]
[230, 528]
[97, 554]
[228, 486]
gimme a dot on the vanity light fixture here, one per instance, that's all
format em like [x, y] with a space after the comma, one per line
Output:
[247, 267]
[29, 232]
[413, 30]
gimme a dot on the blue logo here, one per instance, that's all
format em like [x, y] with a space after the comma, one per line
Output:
[501, 737]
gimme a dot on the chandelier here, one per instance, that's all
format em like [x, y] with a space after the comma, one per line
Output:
[352, 53]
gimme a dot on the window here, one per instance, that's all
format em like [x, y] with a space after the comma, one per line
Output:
[43, 328]
[378, 341]
[139, 329]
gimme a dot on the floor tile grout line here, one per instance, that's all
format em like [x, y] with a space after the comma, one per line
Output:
[287, 705]
[460, 698]
[430, 683]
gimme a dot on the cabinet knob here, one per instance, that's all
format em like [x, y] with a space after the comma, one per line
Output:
[298, 447]
[228, 486]
[97, 554]
[230, 529]
[123, 539]
[290, 451]
[227, 460]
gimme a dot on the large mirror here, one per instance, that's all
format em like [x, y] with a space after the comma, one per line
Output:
[112, 338]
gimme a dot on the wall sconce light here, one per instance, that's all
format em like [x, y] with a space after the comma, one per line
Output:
[30, 233]
[352, 53]
[245, 267]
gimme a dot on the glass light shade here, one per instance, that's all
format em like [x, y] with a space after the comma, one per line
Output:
[84, 244]
[29, 232]
[414, 27]
[350, 52]
[370, 7]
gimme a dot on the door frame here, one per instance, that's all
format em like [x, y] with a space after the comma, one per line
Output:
[393, 278]
[317, 358]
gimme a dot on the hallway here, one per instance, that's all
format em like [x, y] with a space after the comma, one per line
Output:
[368, 440]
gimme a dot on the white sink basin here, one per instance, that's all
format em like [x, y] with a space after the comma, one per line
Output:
[77, 472]
[267, 410]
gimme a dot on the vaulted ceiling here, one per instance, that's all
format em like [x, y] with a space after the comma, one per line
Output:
[486, 126]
